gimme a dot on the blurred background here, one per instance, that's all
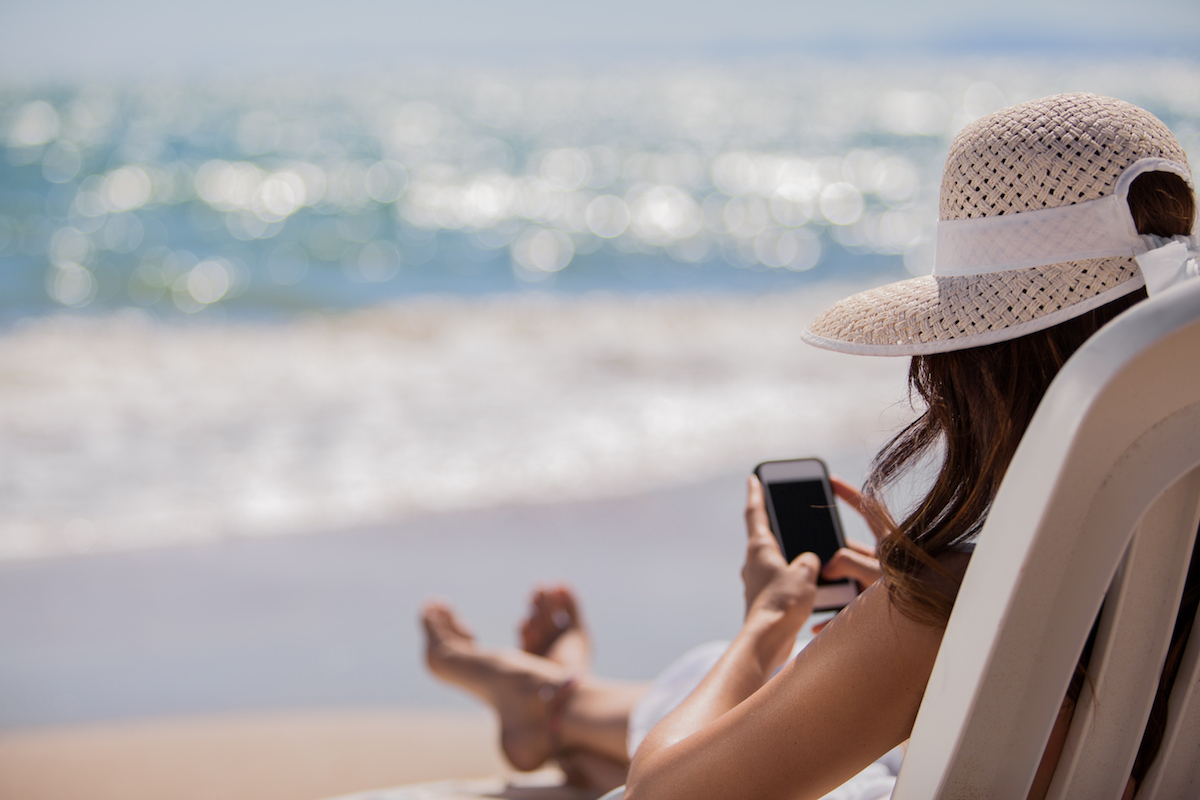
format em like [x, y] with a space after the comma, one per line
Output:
[308, 312]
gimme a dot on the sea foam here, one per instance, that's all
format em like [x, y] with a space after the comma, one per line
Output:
[122, 431]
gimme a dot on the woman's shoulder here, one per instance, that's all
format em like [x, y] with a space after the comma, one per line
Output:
[927, 589]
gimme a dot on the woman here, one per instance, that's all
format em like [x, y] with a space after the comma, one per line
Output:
[1042, 206]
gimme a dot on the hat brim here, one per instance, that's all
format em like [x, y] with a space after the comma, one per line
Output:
[936, 314]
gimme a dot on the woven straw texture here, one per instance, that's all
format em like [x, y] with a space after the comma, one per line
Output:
[1046, 153]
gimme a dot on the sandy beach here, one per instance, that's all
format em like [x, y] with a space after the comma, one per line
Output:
[298, 755]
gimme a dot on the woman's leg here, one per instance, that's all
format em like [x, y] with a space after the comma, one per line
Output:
[521, 685]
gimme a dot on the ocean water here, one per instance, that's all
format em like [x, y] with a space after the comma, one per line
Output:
[261, 307]
[259, 196]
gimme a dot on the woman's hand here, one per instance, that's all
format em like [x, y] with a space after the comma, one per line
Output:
[856, 561]
[779, 595]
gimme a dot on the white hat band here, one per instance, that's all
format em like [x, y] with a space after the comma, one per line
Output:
[1099, 228]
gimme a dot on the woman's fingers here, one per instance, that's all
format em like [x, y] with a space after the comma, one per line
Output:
[854, 499]
[808, 565]
[855, 561]
[761, 544]
[847, 492]
[851, 563]
[859, 547]
[764, 562]
[757, 523]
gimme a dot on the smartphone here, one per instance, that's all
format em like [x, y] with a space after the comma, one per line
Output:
[804, 518]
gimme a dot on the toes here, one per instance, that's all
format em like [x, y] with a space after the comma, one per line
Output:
[458, 625]
[541, 603]
[553, 611]
[529, 636]
[562, 607]
[442, 623]
[537, 629]
[433, 615]
[569, 604]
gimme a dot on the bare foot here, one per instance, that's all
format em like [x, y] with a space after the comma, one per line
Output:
[516, 684]
[554, 629]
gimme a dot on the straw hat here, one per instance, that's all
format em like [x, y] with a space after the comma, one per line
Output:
[1033, 230]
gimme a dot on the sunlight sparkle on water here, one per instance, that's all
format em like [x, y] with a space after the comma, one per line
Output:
[377, 184]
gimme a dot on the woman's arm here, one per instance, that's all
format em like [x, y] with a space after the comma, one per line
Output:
[849, 697]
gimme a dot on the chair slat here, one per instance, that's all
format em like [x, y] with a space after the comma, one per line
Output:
[1119, 427]
[1131, 646]
[1176, 771]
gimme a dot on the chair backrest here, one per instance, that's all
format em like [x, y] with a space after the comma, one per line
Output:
[1102, 499]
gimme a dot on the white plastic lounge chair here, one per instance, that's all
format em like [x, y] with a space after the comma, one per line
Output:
[1102, 500]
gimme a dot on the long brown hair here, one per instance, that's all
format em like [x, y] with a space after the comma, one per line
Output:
[978, 403]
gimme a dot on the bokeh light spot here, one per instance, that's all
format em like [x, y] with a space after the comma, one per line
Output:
[208, 282]
[34, 125]
[607, 216]
[69, 247]
[898, 179]
[745, 217]
[543, 250]
[126, 188]
[661, 214]
[386, 181]
[71, 284]
[796, 250]
[841, 203]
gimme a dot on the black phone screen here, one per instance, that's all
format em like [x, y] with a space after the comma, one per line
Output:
[804, 518]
